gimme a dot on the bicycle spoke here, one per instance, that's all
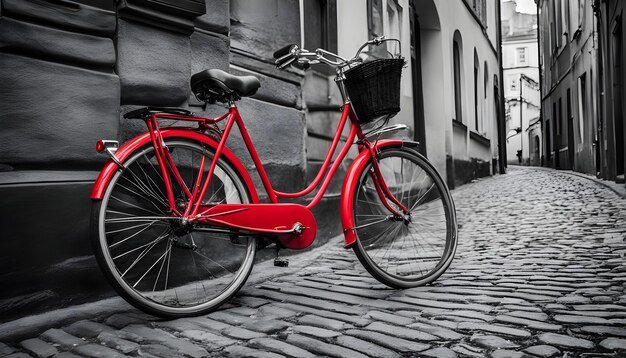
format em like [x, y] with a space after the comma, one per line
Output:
[134, 206]
[163, 264]
[409, 251]
[146, 250]
[131, 236]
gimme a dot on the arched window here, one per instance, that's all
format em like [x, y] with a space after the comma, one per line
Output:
[457, 56]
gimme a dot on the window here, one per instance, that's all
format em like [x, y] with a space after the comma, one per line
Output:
[320, 27]
[374, 18]
[476, 88]
[559, 23]
[582, 107]
[581, 12]
[513, 82]
[456, 54]
[394, 23]
[521, 55]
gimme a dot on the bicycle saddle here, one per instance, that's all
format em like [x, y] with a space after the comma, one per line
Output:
[217, 83]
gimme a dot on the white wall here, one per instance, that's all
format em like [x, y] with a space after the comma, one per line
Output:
[437, 71]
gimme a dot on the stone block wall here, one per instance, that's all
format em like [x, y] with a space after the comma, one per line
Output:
[69, 69]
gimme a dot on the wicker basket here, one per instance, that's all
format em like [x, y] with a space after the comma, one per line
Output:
[374, 88]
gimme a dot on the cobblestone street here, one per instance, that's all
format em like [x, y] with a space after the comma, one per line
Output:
[539, 272]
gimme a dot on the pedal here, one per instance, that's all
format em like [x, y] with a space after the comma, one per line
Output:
[281, 262]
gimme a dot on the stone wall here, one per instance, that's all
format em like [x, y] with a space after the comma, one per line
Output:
[69, 69]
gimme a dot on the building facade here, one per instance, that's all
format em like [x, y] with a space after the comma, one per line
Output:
[70, 69]
[520, 73]
[582, 79]
[451, 85]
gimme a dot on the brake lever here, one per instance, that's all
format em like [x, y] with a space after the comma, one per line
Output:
[285, 64]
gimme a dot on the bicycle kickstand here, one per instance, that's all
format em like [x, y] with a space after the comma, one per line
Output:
[280, 261]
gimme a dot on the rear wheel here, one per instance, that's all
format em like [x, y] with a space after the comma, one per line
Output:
[407, 251]
[151, 258]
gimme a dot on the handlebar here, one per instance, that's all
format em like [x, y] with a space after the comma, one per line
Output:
[302, 58]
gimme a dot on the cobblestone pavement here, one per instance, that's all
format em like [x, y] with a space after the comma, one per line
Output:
[539, 272]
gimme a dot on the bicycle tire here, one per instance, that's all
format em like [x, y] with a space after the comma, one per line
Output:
[405, 253]
[133, 236]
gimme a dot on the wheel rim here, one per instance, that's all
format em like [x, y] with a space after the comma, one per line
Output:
[414, 249]
[156, 260]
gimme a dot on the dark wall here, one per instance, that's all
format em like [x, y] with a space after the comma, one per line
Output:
[69, 69]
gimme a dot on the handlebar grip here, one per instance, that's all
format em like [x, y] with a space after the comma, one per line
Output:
[283, 51]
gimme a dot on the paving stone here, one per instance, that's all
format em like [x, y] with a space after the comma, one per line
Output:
[97, 351]
[280, 347]
[322, 322]
[39, 348]
[267, 326]
[241, 333]
[439, 352]
[276, 311]
[494, 329]
[249, 301]
[391, 342]
[315, 331]
[529, 323]
[5, 350]
[505, 353]
[612, 343]
[161, 337]
[245, 352]
[467, 350]
[115, 342]
[570, 299]
[581, 319]
[614, 331]
[244, 311]
[61, 338]
[599, 307]
[121, 320]
[537, 316]
[87, 329]
[400, 332]
[158, 350]
[227, 317]
[543, 350]
[565, 341]
[66, 355]
[491, 342]
[461, 313]
[440, 332]
[365, 347]
[322, 348]
[389, 318]
[208, 339]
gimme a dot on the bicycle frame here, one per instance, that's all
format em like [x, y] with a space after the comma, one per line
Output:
[194, 211]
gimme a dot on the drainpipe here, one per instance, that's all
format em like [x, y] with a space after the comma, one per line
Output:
[502, 126]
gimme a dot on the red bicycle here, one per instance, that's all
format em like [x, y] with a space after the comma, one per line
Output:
[177, 220]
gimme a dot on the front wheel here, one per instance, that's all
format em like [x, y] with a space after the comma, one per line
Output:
[413, 250]
[151, 258]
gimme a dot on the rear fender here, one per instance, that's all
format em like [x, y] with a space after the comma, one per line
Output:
[130, 147]
[350, 182]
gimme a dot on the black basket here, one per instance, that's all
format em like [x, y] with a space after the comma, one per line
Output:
[374, 88]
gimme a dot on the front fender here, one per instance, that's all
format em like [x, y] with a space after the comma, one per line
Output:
[350, 182]
[130, 147]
